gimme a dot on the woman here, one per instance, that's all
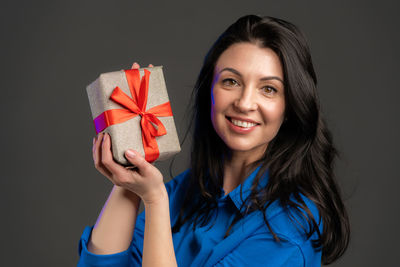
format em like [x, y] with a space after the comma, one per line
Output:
[260, 189]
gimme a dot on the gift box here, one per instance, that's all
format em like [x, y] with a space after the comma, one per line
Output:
[133, 107]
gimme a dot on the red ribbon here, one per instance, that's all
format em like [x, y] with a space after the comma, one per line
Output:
[136, 105]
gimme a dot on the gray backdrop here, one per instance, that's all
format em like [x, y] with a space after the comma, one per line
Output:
[50, 51]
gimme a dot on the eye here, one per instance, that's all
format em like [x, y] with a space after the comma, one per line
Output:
[269, 90]
[230, 82]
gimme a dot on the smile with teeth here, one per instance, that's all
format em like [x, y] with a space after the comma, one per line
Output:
[243, 124]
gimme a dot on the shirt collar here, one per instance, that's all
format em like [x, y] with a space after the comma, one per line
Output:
[246, 188]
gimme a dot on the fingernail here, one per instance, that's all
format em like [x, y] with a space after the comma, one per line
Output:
[104, 136]
[130, 153]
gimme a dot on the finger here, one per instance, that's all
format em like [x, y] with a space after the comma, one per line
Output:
[151, 66]
[97, 151]
[107, 160]
[137, 160]
[135, 65]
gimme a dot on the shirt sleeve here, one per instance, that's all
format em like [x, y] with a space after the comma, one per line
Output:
[88, 259]
[262, 250]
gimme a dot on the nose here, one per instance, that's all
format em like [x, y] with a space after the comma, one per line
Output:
[246, 101]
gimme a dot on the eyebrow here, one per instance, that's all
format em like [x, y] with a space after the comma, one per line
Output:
[262, 79]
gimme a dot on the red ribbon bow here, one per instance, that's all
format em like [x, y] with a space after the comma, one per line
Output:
[136, 105]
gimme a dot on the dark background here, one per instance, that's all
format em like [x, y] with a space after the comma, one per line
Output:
[50, 51]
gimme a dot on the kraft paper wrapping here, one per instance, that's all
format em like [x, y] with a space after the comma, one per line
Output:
[128, 135]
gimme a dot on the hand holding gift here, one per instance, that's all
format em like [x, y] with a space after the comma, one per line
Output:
[145, 180]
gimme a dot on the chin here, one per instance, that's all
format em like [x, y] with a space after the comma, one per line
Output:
[244, 147]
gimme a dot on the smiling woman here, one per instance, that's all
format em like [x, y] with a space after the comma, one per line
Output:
[248, 104]
[260, 190]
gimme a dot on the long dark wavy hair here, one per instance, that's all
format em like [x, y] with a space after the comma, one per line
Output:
[299, 159]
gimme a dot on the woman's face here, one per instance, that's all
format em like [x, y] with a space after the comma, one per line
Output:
[248, 100]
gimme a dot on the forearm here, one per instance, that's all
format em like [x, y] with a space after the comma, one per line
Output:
[158, 249]
[115, 225]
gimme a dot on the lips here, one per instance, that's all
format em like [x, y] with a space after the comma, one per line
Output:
[241, 126]
[242, 123]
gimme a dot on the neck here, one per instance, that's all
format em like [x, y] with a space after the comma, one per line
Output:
[236, 168]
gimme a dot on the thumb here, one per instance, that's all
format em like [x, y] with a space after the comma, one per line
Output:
[136, 159]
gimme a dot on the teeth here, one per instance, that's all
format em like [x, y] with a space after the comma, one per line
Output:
[243, 124]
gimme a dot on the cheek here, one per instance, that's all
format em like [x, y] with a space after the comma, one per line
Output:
[220, 99]
[219, 104]
[274, 112]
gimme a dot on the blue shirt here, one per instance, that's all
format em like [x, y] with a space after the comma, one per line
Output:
[249, 243]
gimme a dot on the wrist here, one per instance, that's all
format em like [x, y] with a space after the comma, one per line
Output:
[158, 197]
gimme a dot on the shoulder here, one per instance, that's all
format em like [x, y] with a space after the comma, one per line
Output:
[290, 220]
[177, 182]
[176, 189]
[291, 225]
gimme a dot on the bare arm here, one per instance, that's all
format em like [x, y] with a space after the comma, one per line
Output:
[114, 227]
[158, 248]
[147, 183]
